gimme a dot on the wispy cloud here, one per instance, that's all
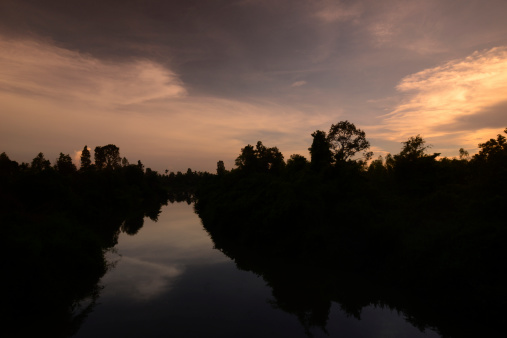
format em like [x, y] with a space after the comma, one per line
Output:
[439, 99]
[332, 11]
[42, 69]
[298, 84]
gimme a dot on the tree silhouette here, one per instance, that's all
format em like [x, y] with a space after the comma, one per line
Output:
[493, 149]
[39, 163]
[7, 167]
[346, 141]
[296, 162]
[320, 150]
[124, 162]
[260, 159]
[86, 161]
[220, 168]
[464, 155]
[247, 160]
[414, 169]
[413, 148]
[140, 165]
[64, 164]
[107, 157]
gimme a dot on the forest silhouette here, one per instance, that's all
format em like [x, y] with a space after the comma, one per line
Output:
[58, 222]
[431, 229]
[410, 226]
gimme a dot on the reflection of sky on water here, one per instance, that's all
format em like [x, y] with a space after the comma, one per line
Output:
[170, 282]
[176, 238]
[148, 262]
[139, 279]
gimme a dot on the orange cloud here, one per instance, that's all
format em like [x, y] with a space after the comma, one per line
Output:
[40, 69]
[439, 101]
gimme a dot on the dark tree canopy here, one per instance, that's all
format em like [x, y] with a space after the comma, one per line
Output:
[64, 164]
[7, 167]
[260, 159]
[297, 162]
[40, 163]
[140, 165]
[107, 157]
[413, 148]
[494, 148]
[377, 167]
[346, 141]
[247, 159]
[220, 168]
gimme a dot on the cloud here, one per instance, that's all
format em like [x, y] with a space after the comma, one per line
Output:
[437, 100]
[55, 100]
[382, 32]
[333, 11]
[77, 156]
[298, 84]
[42, 69]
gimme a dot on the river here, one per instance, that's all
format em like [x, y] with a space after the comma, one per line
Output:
[168, 280]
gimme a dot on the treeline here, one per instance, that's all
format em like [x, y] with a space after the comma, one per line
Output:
[57, 223]
[433, 227]
[182, 186]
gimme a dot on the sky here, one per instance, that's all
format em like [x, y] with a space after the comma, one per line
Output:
[184, 84]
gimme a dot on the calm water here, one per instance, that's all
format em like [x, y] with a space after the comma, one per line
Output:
[169, 281]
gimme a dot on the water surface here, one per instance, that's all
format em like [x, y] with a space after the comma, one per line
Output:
[169, 281]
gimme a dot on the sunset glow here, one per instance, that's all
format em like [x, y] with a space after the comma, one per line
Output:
[189, 89]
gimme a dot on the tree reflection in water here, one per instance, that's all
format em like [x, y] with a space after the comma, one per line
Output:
[308, 291]
[54, 283]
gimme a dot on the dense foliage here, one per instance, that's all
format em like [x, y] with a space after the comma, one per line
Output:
[57, 223]
[432, 227]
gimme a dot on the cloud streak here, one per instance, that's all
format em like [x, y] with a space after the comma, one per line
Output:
[336, 11]
[438, 99]
[41, 69]
[298, 84]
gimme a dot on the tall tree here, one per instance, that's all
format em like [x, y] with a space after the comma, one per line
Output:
[320, 151]
[413, 148]
[64, 164]
[39, 163]
[247, 160]
[220, 168]
[140, 165]
[107, 157]
[346, 141]
[86, 161]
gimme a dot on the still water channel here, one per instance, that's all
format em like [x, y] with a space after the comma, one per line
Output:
[169, 281]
